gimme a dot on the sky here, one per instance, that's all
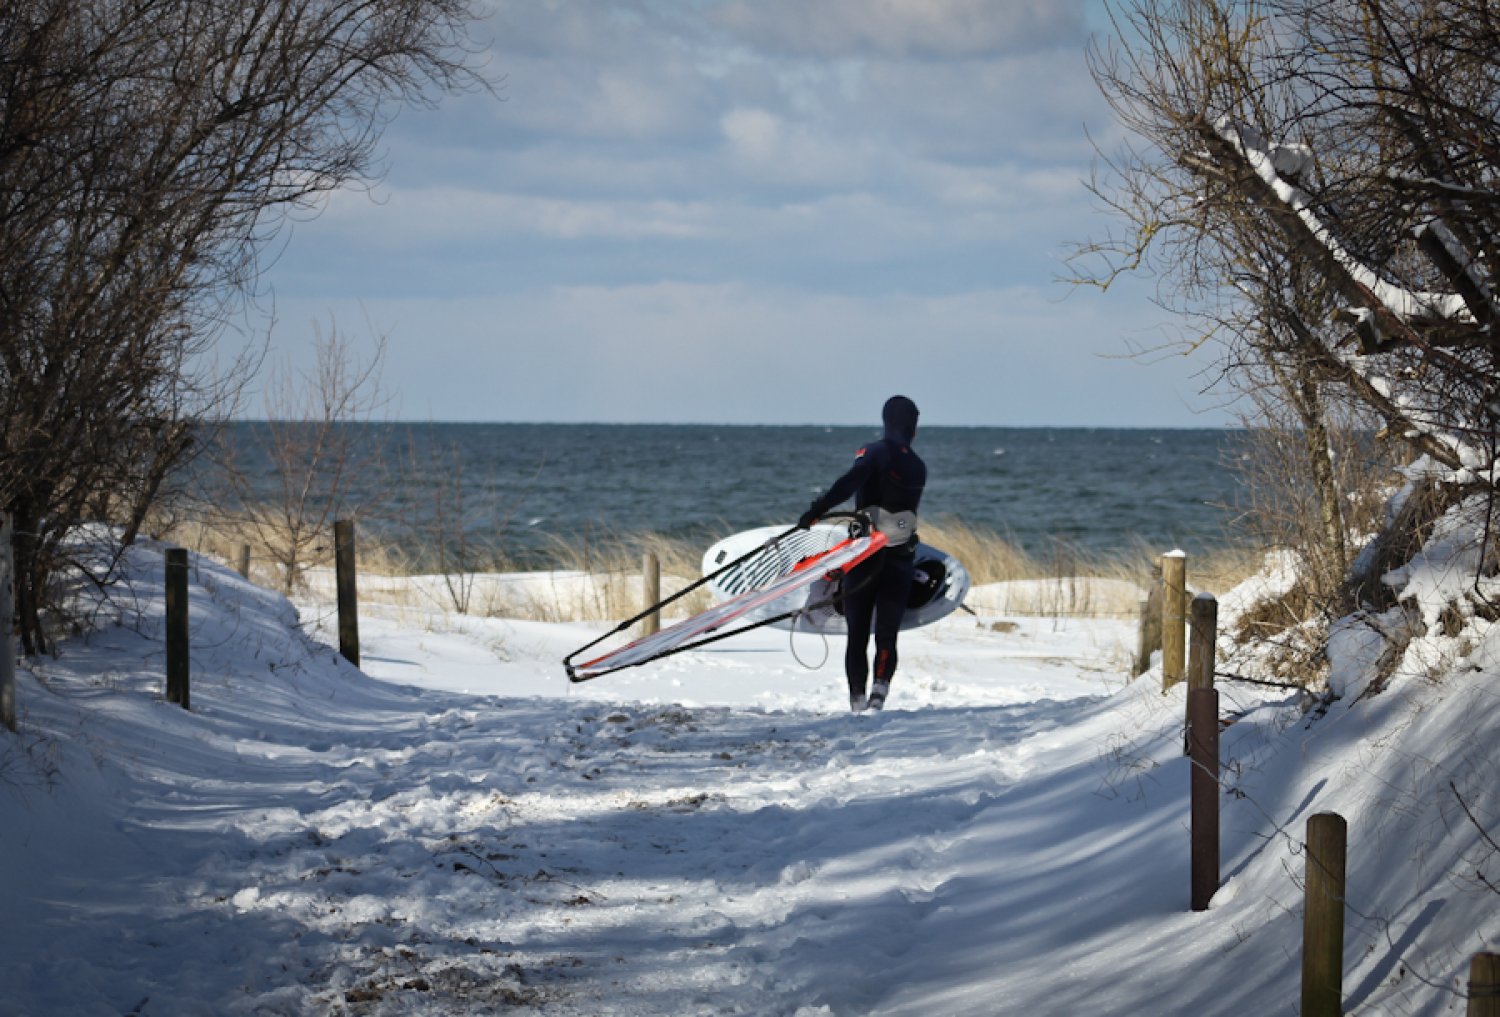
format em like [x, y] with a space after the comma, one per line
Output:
[746, 211]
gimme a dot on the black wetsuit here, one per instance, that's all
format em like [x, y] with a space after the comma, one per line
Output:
[889, 475]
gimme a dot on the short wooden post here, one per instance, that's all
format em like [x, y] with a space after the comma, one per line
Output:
[1149, 638]
[1203, 791]
[651, 581]
[178, 670]
[242, 564]
[343, 557]
[1323, 916]
[7, 627]
[1204, 615]
[1202, 724]
[1484, 985]
[1173, 618]
[1203, 634]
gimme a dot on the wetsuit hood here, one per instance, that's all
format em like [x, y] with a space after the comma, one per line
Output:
[900, 418]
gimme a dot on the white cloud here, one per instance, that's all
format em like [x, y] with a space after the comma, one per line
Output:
[426, 215]
[652, 101]
[1031, 106]
[592, 71]
[676, 193]
[679, 352]
[904, 28]
[767, 147]
[1005, 187]
[942, 210]
[754, 134]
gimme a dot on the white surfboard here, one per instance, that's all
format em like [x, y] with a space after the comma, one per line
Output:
[938, 588]
[781, 594]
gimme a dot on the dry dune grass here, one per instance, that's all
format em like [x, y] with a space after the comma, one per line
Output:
[599, 576]
[1069, 580]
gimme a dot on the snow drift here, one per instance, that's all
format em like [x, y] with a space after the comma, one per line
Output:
[457, 830]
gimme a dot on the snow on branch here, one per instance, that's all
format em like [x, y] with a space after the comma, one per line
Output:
[1440, 421]
[1459, 266]
[1278, 166]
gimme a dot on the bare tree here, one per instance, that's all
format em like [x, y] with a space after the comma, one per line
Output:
[315, 452]
[1314, 188]
[148, 151]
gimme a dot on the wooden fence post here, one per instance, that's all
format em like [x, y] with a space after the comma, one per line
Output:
[1173, 618]
[7, 627]
[178, 670]
[1484, 985]
[651, 581]
[242, 565]
[1323, 916]
[1203, 792]
[1203, 751]
[343, 557]
[1204, 614]
[1148, 640]
[1203, 634]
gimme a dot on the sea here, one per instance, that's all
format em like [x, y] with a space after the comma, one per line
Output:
[528, 487]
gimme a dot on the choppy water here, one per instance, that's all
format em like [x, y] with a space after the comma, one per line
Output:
[1100, 489]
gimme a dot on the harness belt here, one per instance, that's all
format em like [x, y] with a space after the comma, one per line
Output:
[899, 527]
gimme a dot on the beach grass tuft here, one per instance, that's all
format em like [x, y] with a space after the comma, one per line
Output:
[597, 576]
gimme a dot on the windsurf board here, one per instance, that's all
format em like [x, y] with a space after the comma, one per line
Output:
[939, 585]
[782, 593]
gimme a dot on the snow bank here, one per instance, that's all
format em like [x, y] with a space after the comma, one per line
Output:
[458, 830]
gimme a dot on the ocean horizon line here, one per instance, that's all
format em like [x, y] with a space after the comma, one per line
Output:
[682, 423]
[1080, 483]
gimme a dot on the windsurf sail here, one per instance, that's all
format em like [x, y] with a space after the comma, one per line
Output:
[756, 607]
[750, 559]
[766, 560]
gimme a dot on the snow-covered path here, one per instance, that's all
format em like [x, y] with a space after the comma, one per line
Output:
[457, 830]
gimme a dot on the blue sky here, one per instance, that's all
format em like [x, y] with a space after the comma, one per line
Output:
[746, 211]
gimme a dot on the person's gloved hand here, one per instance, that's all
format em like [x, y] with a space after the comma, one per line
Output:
[806, 520]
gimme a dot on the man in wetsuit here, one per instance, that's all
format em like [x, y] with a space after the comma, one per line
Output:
[885, 481]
